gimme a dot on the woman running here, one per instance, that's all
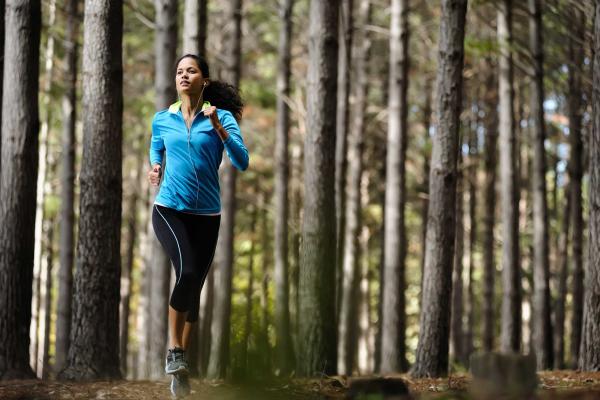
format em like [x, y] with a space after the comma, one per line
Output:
[192, 133]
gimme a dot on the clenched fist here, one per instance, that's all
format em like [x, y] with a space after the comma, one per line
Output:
[154, 175]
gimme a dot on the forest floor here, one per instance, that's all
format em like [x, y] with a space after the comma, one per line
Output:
[567, 385]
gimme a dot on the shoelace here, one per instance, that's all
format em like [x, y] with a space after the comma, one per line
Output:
[176, 354]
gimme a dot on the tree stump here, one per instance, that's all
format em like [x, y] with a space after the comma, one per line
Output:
[503, 375]
[379, 388]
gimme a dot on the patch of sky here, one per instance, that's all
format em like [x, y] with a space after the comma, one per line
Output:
[550, 105]
[465, 148]
[562, 150]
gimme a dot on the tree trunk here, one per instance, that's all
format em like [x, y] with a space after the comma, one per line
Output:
[456, 315]
[46, 298]
[425, 183]
[2, 33]
[204, 323]
[195, 27]
[249, 291]
[128, 261]
[317, 353]
[542, 328]
[432, 350]
[67, 213]
[223, 261]
[365, 359]
[36, 300]
[470, 300]
[489, 193]
[348, 323]
[510, 338]
[393, 327]
[296, 208]
[345, 32]
[575, 110]
[589, 357]
[263, 335]
[18, 181]
[160, 265]
[561, 295]
[94, 350]
[283, 345]
[143, 327]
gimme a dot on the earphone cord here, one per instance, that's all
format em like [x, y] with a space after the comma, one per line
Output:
[189, 145]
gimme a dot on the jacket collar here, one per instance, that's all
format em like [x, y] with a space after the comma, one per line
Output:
[175, 107]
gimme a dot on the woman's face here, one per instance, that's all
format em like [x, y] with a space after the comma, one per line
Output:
[188, 77]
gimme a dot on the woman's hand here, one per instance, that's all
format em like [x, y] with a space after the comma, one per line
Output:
[211, 113]
[154, 175]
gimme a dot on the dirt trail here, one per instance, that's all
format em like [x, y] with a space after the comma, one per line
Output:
[560, 385]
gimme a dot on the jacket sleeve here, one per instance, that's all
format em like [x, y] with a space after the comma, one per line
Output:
[234, 144]
[157, 145]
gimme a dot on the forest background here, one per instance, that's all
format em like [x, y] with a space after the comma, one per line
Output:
[404, 156]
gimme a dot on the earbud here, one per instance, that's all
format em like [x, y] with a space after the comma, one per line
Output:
[205, 83]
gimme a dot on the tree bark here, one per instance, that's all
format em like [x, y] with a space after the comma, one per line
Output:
[470, 300]
[37, 340]
[561, 295]
[263, 335]
[348, 323]
[94, 350]
[575, 169]
[589, 357]
[284, 351]
[542, 327]
[195, 27]
[393, 336]
[131, 229]
[456, 315]
[223, 261]
[18, 182]
[432, 350]
[249, 290]
[43, 371]
[2, 34]
[67, 213]
[345, 32]
[425, 183]
[204, 323]
[510, 338]
[365, 358]
[489, 193]
[317, 353]
[296, 207]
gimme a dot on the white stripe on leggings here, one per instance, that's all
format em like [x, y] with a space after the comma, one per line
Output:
[176, 241]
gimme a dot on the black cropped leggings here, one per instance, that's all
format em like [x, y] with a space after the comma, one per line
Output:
[190, 241]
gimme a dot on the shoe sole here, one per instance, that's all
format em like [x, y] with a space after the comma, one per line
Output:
[180, 387]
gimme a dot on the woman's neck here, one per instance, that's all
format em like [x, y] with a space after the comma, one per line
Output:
[190, 104]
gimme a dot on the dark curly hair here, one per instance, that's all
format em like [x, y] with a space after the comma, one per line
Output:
[220, 94]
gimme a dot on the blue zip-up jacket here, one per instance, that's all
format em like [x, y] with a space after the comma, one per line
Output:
[191, 178]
